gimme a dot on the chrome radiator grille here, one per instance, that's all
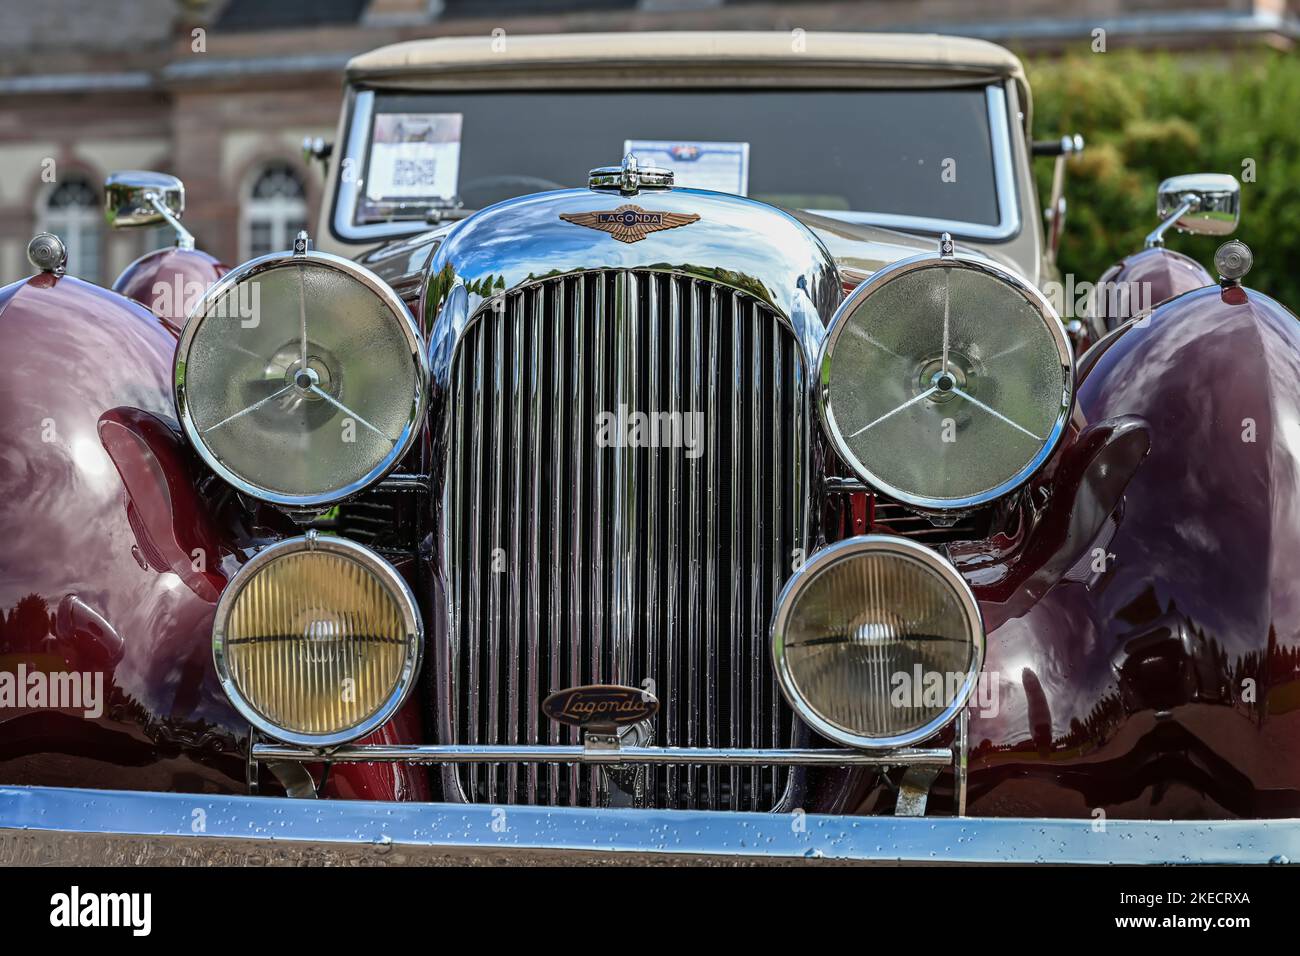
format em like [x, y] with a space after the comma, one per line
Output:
[577, 559]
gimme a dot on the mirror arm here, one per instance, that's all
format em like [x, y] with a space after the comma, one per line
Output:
[1156, 237]
[184, 238]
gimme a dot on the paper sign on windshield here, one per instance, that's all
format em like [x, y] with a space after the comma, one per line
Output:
[414, 156]
[722, 167]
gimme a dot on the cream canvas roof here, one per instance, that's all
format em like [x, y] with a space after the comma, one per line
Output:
[919, 58]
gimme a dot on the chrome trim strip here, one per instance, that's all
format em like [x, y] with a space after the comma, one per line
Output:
[847, 549]
[496, 335]
[713, 570]
[559, 340]
[736, 675]
[1004, 182]
[533, 622]
[388, 578]
[577, 516]
[695, 612]
[622, 325]
[515, 513]
[672, 691]
[474, 636]
[758, 536]
[662, 756]
[654, 365]
[48, 824]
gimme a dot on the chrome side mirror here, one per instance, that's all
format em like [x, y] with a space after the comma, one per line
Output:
[316, 149]
[1208, 204]
[136, 197]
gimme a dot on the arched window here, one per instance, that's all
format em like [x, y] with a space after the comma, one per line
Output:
[275, 210]
[72, 213]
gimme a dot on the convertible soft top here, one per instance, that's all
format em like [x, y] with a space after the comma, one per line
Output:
[789, 58]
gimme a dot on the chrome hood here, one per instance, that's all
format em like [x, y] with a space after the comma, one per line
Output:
[735, 242]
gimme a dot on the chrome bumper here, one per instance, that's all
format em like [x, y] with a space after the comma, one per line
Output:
[41, 825]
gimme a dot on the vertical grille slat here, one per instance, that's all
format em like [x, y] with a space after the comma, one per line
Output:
[578, 517]
[736, 429]
[654, 552]
[512, 498]
[695, 618]
[557, 357]
[672, 698]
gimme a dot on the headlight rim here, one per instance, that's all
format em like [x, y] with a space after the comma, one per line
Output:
[410, 329]
[838, 322]
[374, 563]
[848, 548]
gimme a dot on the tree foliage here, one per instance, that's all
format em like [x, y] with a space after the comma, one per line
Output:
[1148, 116]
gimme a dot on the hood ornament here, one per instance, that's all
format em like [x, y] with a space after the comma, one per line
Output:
[629, 178]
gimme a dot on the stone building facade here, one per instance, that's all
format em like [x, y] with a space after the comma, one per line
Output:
[222, 92]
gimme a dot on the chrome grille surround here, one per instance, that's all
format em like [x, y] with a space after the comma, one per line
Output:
[663, 588]
[628, 593]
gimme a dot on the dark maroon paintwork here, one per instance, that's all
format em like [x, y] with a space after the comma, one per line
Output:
[1144, 280]
[168, 281]
[103, 527]
[100, 520]
[1130, 690]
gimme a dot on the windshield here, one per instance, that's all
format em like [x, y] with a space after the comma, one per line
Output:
[923, 158]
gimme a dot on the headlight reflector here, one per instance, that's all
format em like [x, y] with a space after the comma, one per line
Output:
[301, 378]
[945, 381]
[877, 641]
[317, 640]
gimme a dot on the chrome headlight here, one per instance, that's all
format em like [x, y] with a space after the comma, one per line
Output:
[317, 641]
[877, 642]
[945, 381]
[301, 378]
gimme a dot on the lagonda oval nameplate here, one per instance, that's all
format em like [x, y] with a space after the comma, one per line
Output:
[600, 704]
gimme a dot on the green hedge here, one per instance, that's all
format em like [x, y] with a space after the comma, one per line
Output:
[1147, 116]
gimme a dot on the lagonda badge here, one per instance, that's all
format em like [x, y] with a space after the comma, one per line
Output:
[600, 704]
[630, 223]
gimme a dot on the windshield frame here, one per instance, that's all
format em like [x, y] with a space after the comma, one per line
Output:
[360, 115]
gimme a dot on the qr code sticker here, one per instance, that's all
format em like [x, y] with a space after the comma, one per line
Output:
[414, 172]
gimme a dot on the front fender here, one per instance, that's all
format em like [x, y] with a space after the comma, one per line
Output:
[112, 564]
[1145, 637]
[168, 281]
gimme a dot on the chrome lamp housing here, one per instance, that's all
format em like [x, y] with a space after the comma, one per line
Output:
[301, 378]
[877, 642]
[317, 641]
[945, 381]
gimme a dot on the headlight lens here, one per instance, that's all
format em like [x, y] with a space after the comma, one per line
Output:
[293, 432]
[317, 641]
[877, 642]
[945, 434]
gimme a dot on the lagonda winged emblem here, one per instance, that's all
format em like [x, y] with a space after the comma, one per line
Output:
[630, 223]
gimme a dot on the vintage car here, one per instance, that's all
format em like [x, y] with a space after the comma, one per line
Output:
[745, 494]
